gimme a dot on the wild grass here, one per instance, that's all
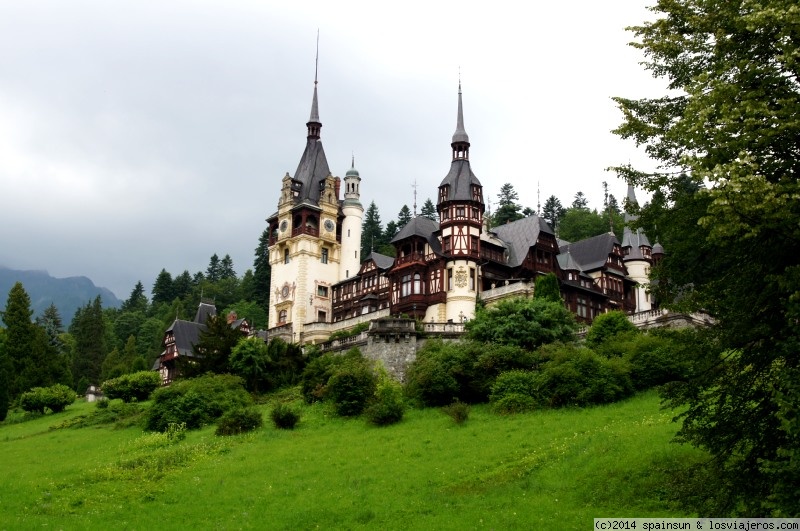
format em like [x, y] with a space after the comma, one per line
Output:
[554, 469]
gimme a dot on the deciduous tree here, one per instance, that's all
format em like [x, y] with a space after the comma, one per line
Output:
[725, 204]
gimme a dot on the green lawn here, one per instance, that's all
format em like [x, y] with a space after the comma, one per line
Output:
[544, 470]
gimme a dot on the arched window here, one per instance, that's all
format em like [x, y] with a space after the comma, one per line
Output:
[286, 256]
[282, 317]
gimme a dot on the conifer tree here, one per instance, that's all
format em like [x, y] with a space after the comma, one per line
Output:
[371, 230]
[19, 337]
[163, 288]
[429, 210]
[508, 210]
[262, 272]
[137, 302]
[403, 217]
[91, 347]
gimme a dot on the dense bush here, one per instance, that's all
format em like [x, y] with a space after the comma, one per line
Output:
[55, 398]
[492, 360]
[314, 380]
[239, 420]
[196, 401]
[576, 376]
[458, 411]
[129, 387]
[525, 323]
[440, 374]
[515, 391]
[607, 325]
[284, 417]
[351, 387]
[387, 405]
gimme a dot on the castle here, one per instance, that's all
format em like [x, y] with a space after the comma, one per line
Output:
[321, 284]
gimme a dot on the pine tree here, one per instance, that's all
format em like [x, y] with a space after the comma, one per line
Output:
[403, 217]
[262, 272]
[580, 201]
[508, 210]
[91, 347]
[552, 212]
[214, 270]
[163, 288]
[371, 230]
[226, 268]
[429, 210]
[19, 336]
[182, 285]
[137, 302]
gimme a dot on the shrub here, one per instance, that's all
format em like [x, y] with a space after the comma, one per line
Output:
[492, 360]
[458, 411]
[577, 376]
[129, 387]
[284, 417]
[515, 391]
[196, 401]
[440, 373]
[607, 325]
[351, 387]
[239, 420]
[102, 403]
[387, 406]
[314, 380]
[54, 398]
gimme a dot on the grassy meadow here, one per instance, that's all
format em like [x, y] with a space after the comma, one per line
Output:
[554, 469]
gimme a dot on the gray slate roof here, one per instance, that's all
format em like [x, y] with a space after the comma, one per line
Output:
[204, 311]
[460, 178]
[519, 236]
[424, 228]
[591, 253]
[381, 260]
[187, 334]
[312, 170]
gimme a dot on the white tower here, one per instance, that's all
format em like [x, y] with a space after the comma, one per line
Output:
[353, 213]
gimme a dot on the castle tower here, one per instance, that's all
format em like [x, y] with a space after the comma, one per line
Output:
[638, 255]
[353, 213]
[305, 239]
[460, 207]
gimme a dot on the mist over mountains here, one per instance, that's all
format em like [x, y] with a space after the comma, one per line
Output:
[68, 294]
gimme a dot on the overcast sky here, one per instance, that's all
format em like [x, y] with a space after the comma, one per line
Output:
[136, 136]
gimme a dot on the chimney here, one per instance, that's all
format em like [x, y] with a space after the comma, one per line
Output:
[337, 184]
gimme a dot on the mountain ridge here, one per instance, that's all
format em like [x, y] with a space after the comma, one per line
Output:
[68, 294]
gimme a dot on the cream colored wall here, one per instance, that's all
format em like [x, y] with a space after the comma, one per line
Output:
[461, 299]
[638, 270]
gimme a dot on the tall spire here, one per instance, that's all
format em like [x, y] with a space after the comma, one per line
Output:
[313, 124]
[460, 142]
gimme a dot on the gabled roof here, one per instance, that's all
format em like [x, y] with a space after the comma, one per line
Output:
[204, 311]
[591, 253]
[422, 227]
[381, 260]
[186, 334]
[519, 236]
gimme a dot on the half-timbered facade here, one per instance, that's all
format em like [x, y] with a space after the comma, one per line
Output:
[181, 337]
[440, 269]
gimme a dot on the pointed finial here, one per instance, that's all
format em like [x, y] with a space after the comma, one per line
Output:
[316, 60]
[353, 159]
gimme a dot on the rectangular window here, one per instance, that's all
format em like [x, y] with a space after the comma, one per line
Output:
[322, 291]
[286, 256]
[460, 212]
[449, 279]
[446, 244]
[322, 317]
[472, 279]
[324, 257]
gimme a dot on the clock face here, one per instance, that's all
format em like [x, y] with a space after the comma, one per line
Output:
[329, 226]
[284, 225]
